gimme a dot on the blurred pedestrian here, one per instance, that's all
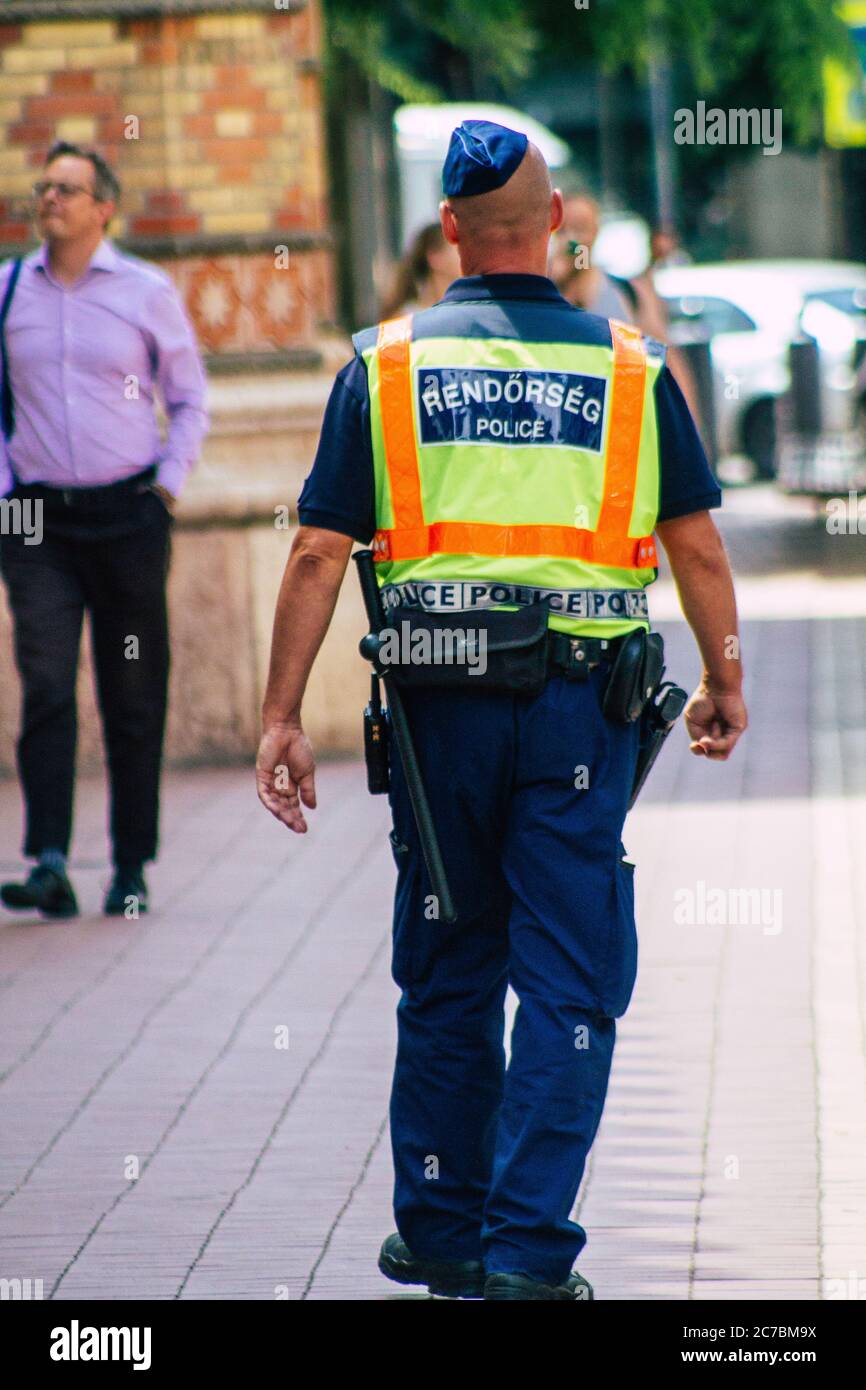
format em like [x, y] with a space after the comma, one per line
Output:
[423, 274]
[578, 280]
[90, 336]
[666, 249]
[589, 287]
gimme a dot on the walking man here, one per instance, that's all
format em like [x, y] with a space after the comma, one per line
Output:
[90, 337]
[504, 447]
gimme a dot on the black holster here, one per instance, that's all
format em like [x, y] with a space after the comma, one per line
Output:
[636, 673]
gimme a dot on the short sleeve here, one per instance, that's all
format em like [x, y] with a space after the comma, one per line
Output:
[687, 483]
[338, 494]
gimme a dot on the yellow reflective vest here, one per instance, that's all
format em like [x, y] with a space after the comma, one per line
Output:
[510, 472]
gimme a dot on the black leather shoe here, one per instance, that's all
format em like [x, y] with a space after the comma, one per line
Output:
[51, 893]
[449, 1278]
[509, 1286]
[128, 890]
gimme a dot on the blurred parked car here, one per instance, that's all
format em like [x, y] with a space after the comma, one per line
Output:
[751, 312]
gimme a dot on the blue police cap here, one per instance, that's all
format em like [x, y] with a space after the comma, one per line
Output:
[482, 156]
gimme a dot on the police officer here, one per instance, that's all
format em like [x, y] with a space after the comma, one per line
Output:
[505, 445]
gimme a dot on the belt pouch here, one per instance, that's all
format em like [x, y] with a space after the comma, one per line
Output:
[485, 649]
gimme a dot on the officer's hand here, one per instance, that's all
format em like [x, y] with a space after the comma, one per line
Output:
[715, 722]
[285, 774]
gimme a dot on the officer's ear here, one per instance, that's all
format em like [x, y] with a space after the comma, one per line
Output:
[557, 210]
[448, 222]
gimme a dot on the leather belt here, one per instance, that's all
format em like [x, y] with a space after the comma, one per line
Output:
[84, 496]
[576, 656]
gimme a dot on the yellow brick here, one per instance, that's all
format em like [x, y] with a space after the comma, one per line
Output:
[222, 199]
[181, 151]
[191, 176]
[70, 35]
[233, 123]
[25, 84]
[141, 104]
[19, 185]
[191, 77]
[33, 59]
[229, 26]
[237, 222]
[181, 103]
[140, 80]
[10, 110]
[76, 128]
[113, 55]
[143, 178]
[280, 99]
[274, 75]
[13, 158]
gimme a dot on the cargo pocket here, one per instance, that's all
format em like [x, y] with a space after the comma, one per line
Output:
[622, 962]
[407, 897]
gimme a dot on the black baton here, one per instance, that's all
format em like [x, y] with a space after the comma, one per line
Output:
[369, 649]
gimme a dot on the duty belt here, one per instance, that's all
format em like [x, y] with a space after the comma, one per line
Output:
[576, 656]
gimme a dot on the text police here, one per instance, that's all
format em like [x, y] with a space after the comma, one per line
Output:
[476, 405]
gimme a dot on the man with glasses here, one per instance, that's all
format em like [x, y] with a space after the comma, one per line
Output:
[90, 337]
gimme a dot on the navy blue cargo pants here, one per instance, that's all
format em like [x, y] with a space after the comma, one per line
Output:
[529, 795]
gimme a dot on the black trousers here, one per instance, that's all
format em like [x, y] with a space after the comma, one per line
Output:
[106, 551]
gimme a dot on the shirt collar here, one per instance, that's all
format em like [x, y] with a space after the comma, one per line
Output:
[494, 287]
[105, 257]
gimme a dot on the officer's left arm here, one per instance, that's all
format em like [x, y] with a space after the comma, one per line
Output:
[716, 715]
[285, 766]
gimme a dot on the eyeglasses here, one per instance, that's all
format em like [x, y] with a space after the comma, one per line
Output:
[63, 190]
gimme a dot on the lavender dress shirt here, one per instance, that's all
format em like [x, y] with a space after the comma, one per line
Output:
[85, 362]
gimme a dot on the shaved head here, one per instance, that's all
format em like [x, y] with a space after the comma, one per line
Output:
[509, 227]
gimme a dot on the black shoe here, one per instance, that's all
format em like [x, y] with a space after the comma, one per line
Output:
[44, 889]
[127, 894]
[509, 1286]
[450, 1278]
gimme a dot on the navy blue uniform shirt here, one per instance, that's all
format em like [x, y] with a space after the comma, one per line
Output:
[339, 492]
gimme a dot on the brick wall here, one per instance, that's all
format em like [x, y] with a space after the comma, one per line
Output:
[213, 123]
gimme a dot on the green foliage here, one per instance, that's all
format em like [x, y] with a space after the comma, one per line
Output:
[404, 45]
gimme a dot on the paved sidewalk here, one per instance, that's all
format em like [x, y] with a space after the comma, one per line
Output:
[158, 1142]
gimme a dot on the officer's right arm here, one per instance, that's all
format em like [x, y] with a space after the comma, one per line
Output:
[716, 715]
[335, 508]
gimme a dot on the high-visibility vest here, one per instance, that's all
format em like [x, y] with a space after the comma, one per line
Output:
[509, 472]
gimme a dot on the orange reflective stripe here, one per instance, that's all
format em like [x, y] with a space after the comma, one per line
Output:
[412, 538]
[398, 426]
[488, 538]
[623, 432]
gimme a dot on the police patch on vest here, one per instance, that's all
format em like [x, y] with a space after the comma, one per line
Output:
[492, 405]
